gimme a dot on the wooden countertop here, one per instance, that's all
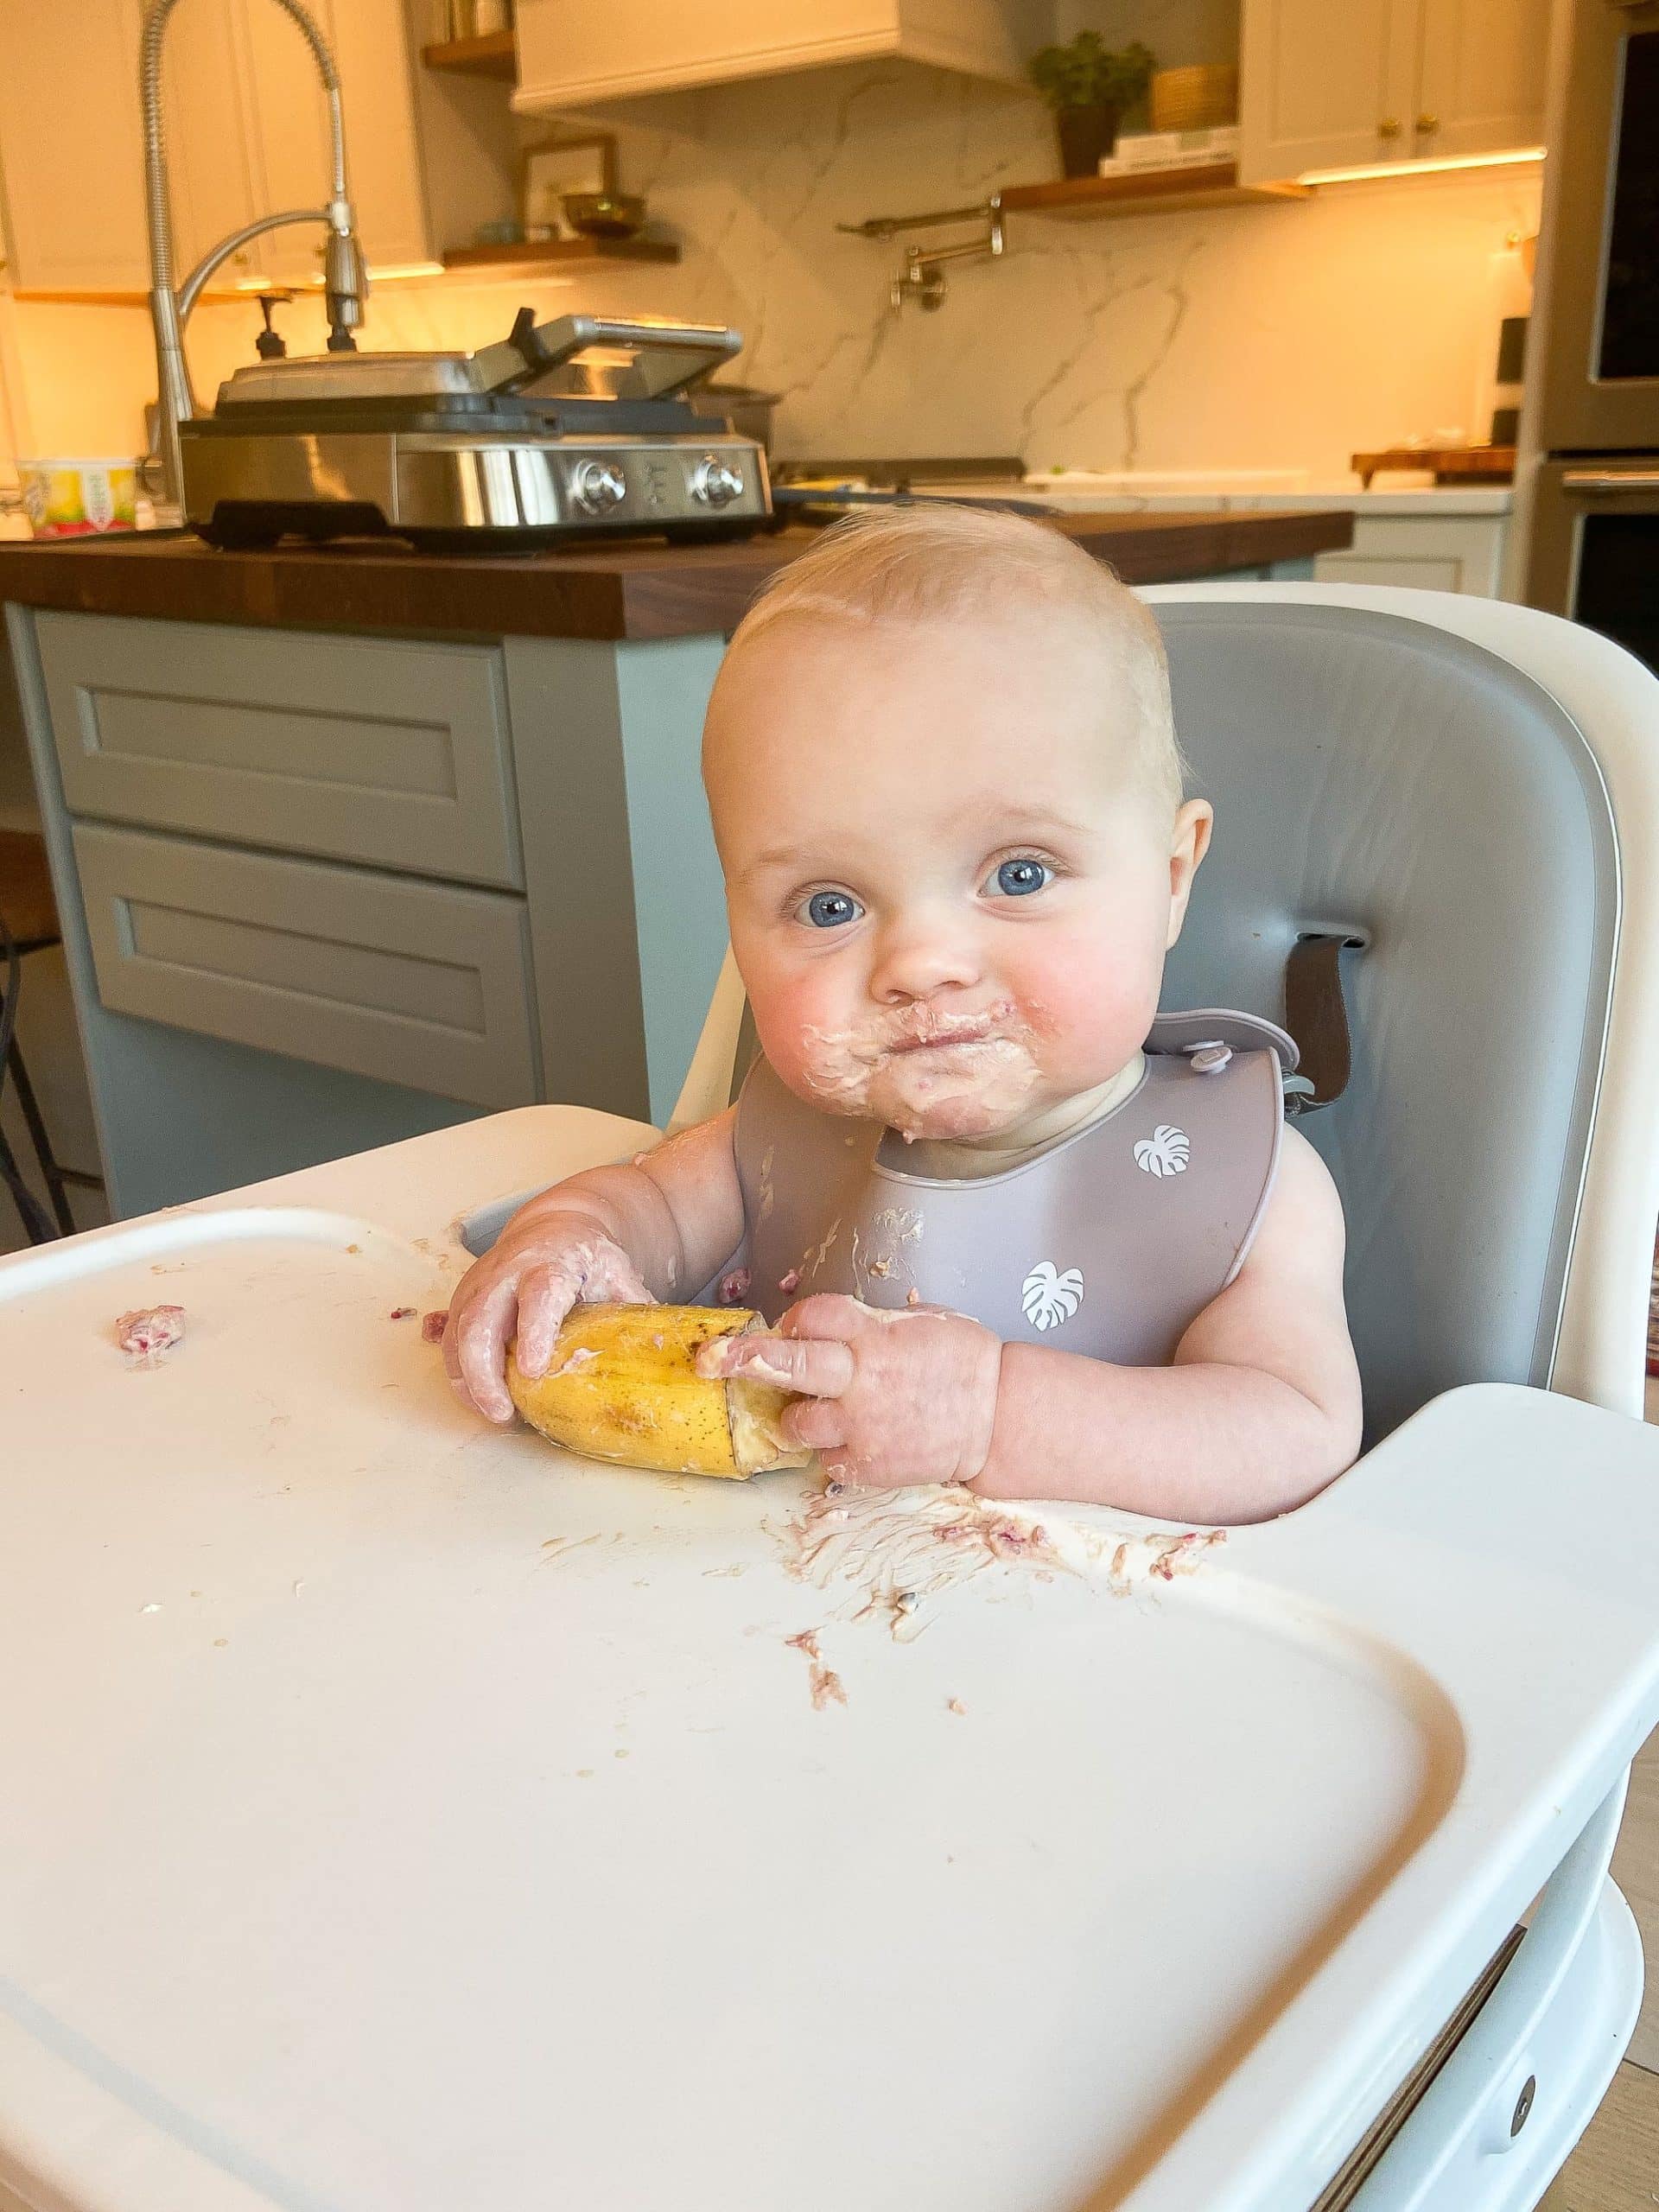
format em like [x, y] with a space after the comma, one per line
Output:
[638, 590]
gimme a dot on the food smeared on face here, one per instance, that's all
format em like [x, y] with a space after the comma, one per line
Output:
[952, 830]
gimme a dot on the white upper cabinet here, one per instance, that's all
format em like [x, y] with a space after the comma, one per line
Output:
[391, 182]
[208, 152]
[1381, 81]
[288, 131]
[284, 125]
[70, 148]
[572, 52]
[1481, 90]
[246, 130]
[1324, 87]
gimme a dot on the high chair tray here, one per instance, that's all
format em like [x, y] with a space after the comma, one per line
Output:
[398, 1814]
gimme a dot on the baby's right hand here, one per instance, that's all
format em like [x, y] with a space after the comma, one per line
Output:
[523, 1287]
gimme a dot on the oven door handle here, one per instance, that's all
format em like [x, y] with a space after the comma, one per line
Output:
[1610, 481]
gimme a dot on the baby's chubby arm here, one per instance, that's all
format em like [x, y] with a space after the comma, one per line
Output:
[651, 1231]
[1259, 1411]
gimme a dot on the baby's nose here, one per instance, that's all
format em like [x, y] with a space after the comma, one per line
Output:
[914, 960]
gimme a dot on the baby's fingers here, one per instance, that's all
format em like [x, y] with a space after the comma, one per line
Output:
[475, 1349]
[819, 1425]
[545, 1296]
[819, 1367]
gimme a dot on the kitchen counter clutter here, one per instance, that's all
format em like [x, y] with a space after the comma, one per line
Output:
[354, 843]
[630, 590]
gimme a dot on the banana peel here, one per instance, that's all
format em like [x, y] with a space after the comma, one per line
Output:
[622, 1385]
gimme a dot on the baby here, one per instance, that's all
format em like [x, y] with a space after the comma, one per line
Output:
[1007, 1230]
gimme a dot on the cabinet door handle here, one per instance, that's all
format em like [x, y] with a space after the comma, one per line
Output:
[1427, 123]
[1389, 127]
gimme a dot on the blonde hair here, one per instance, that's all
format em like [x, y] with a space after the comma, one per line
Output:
[921, 563]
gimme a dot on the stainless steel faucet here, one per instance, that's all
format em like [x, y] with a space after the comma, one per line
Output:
[345, 276]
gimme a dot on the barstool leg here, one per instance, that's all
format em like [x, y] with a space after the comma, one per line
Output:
[43, 1152]
[37, 1223]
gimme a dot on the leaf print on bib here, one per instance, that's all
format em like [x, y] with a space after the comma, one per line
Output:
[1047, 1297]
[1165, 1151]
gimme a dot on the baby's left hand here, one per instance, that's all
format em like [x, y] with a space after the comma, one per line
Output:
[895, 1397]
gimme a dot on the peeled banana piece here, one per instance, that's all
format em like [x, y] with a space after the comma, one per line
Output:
[622, 1385]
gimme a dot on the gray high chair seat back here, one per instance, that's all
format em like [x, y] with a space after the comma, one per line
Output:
[1472, 789]
[1377, 777]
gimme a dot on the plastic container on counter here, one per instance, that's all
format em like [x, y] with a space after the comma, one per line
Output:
[79, 497]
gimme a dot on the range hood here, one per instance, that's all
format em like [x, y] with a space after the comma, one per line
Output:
[574, 52]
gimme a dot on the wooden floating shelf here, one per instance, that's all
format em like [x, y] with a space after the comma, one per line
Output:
[549, 253]
[495, 54]
[1158, 191]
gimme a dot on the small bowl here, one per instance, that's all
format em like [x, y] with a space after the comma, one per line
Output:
[603, 215]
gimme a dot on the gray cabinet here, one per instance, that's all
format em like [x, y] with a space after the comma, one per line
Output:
[320, 889]
[366, 749]
[424, 984]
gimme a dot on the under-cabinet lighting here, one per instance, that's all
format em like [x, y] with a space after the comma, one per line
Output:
[390, 273]
[1516, 156]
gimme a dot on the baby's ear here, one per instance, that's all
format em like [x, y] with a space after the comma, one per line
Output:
[1189, 843]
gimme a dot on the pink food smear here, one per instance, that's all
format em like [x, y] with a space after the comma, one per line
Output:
[734, 1287]
[894, 1557]
[824, 1683]
[149, 1331]
[401, 1313]
[433, 1325]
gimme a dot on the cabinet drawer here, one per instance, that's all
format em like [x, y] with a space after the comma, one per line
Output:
[1461, 553]
[416, 984]
[355, 748]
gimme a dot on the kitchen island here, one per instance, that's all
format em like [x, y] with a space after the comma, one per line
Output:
[355, 843]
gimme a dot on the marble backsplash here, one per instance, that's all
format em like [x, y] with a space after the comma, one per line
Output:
[1262, 336]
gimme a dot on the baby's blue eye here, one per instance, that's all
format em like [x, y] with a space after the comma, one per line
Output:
[831, 910]
[1018, 878]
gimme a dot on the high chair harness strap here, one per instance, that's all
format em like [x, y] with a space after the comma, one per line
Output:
[1316, 1015]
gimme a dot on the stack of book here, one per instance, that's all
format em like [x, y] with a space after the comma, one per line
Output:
[1147, 150]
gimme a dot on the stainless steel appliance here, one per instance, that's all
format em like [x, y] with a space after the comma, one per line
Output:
[1593, 551]
[581, 428]
[578, 428]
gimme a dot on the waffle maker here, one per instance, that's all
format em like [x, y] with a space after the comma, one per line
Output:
[573, 430]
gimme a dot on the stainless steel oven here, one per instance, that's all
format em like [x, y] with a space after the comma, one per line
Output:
[1595, 546]
[1594, 411]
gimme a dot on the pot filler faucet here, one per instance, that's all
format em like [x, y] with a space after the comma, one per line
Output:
[346, 278]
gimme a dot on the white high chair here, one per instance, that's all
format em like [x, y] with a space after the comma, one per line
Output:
[318, 1886]
[1468, 793]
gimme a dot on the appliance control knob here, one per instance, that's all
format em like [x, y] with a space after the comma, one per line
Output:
[717, 482]
[598, 486]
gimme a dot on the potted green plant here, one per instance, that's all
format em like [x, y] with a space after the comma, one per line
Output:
[1090, 85]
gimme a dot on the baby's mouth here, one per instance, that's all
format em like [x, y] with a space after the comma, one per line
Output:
[933, 1032]
[977, 1036]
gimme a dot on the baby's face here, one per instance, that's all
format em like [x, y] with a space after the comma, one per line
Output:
[950, 895]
